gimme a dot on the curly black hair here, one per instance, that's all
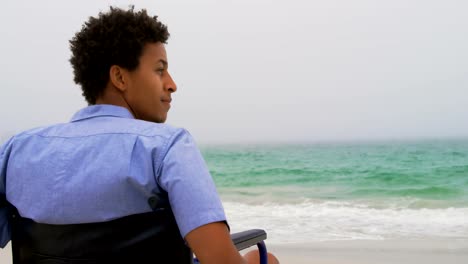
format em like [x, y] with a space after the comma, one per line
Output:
[116, 37]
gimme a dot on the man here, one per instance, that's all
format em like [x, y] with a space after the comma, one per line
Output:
[115, 185]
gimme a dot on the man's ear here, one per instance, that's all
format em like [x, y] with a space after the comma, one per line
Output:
[117, 77]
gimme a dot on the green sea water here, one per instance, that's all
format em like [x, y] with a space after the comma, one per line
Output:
[434, 173]
[319, 192]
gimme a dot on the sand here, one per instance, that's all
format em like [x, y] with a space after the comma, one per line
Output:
[417, 251]
[366, 252]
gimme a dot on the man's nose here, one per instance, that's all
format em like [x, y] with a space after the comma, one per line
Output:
[170, 84]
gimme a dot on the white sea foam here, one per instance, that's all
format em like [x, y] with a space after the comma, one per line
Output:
[324, 220]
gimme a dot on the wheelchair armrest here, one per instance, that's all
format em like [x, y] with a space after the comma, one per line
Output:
[248, 238]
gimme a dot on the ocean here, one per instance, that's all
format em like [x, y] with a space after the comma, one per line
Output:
[345, 191]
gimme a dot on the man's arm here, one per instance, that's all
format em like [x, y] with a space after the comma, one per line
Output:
[195, 203]
[212, 244]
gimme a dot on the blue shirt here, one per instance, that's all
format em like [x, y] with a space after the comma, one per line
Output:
[104, 165]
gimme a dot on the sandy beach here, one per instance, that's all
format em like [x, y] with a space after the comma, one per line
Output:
[373, 251]
[423, 251]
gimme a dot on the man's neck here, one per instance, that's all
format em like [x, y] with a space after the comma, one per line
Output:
[113, 96]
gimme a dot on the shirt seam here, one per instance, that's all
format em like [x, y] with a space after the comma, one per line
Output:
[123, 133]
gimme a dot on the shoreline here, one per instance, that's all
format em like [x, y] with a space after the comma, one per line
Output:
[404, 251]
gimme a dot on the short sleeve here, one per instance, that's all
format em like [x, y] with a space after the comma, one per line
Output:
[5, 233]
[191, 190]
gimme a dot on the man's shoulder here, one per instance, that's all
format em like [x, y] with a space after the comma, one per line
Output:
[7, 145]
[32, 131]
[39, 131]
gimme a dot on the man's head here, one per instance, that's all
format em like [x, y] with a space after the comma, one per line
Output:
[122, 53]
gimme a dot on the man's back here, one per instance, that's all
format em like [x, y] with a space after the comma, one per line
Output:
[101, 165]
[105, 165]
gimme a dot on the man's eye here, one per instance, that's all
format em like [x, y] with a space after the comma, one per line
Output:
[160, 71]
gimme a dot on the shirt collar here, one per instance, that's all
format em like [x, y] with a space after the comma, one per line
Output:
[101, 110]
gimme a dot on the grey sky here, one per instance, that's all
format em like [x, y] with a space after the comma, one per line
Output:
[264, 71]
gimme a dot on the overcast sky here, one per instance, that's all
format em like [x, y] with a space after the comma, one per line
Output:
[264, 71]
